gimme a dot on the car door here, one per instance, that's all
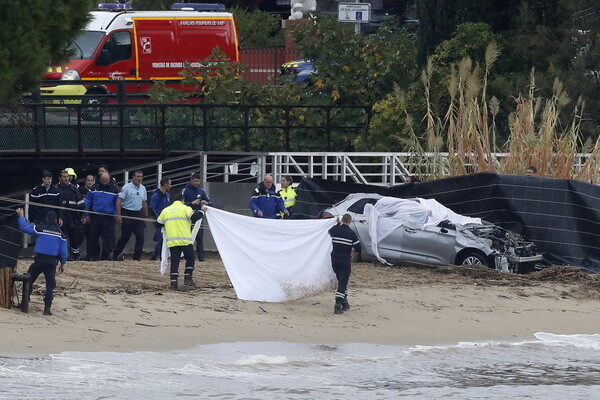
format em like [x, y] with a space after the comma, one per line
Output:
[361, 228]
[417, 244]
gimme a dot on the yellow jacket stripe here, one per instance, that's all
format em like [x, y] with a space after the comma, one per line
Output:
[178, 225]
[288, 195]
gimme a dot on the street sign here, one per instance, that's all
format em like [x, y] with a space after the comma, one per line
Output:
[354, 12]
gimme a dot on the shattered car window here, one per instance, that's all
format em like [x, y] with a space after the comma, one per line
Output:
[359, 206]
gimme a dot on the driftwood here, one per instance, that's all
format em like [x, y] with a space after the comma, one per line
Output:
[6, 287]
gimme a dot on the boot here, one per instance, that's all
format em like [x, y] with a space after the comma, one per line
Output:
[337, 309]
[188, 281]
[345, 304]
[75, 256]
[47, 310]
[173, 284]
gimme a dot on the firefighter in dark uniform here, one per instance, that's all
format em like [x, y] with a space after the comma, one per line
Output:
[343, 239]
[50, 248]
[71, 198]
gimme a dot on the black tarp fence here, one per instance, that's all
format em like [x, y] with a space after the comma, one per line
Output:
[562, 216]
[10, 240]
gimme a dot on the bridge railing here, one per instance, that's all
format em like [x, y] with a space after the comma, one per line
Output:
[166, 129]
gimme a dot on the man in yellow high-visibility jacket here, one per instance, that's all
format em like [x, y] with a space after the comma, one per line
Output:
[288, 194]
[177, 220]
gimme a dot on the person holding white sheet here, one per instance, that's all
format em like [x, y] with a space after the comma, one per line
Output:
[177, 220]
[344, 240]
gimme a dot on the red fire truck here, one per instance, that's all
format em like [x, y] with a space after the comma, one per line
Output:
[121, 44]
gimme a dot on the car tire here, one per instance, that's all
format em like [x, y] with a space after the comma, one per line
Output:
[474, 258]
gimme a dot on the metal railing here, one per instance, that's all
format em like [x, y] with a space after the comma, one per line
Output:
[166, 129]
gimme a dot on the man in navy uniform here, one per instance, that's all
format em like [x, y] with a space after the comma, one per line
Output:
[194, 196]
[47, 197]
[50, 248]
[343, 239]
[102, 200]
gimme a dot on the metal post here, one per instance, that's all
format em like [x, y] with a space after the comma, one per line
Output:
[357, 24]
[246, 129]
[286, 129]
[26, 213]
[163, 129]
[159, 172]
[204, 128]
[203, 166]
[328, 125]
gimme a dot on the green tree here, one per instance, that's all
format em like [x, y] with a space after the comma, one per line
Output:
[469, 40]
[34, 34]
[257, 28]
[356, 69]
[438, 19]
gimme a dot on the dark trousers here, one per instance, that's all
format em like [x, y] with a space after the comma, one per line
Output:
[101, 226]
[200, 244]
[342, 268]
[73, 233]
[84, 230]
[128, 227]
[46, 266]
[188, 254]
[158, 239]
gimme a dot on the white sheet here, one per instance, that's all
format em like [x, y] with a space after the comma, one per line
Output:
[390, 213]
[273, 260]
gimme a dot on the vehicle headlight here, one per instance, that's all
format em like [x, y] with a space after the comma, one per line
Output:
[70, 75]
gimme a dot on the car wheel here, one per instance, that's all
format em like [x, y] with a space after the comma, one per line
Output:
[474, 258]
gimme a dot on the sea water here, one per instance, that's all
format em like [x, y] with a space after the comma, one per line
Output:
[546, 367]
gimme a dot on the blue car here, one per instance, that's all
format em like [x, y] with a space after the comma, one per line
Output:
[300, 70]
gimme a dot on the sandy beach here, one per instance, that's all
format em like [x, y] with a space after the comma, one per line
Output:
[125, 306]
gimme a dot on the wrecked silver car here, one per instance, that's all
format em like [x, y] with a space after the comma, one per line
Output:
[422, 231]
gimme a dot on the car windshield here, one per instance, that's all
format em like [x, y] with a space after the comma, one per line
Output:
[84, 46]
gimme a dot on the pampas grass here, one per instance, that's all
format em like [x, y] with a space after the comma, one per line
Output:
[536, 138]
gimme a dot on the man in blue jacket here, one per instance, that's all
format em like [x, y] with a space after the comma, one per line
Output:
[50, 247]
[266, 202]
[101, 200]
[160, 199]
[196, 197]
